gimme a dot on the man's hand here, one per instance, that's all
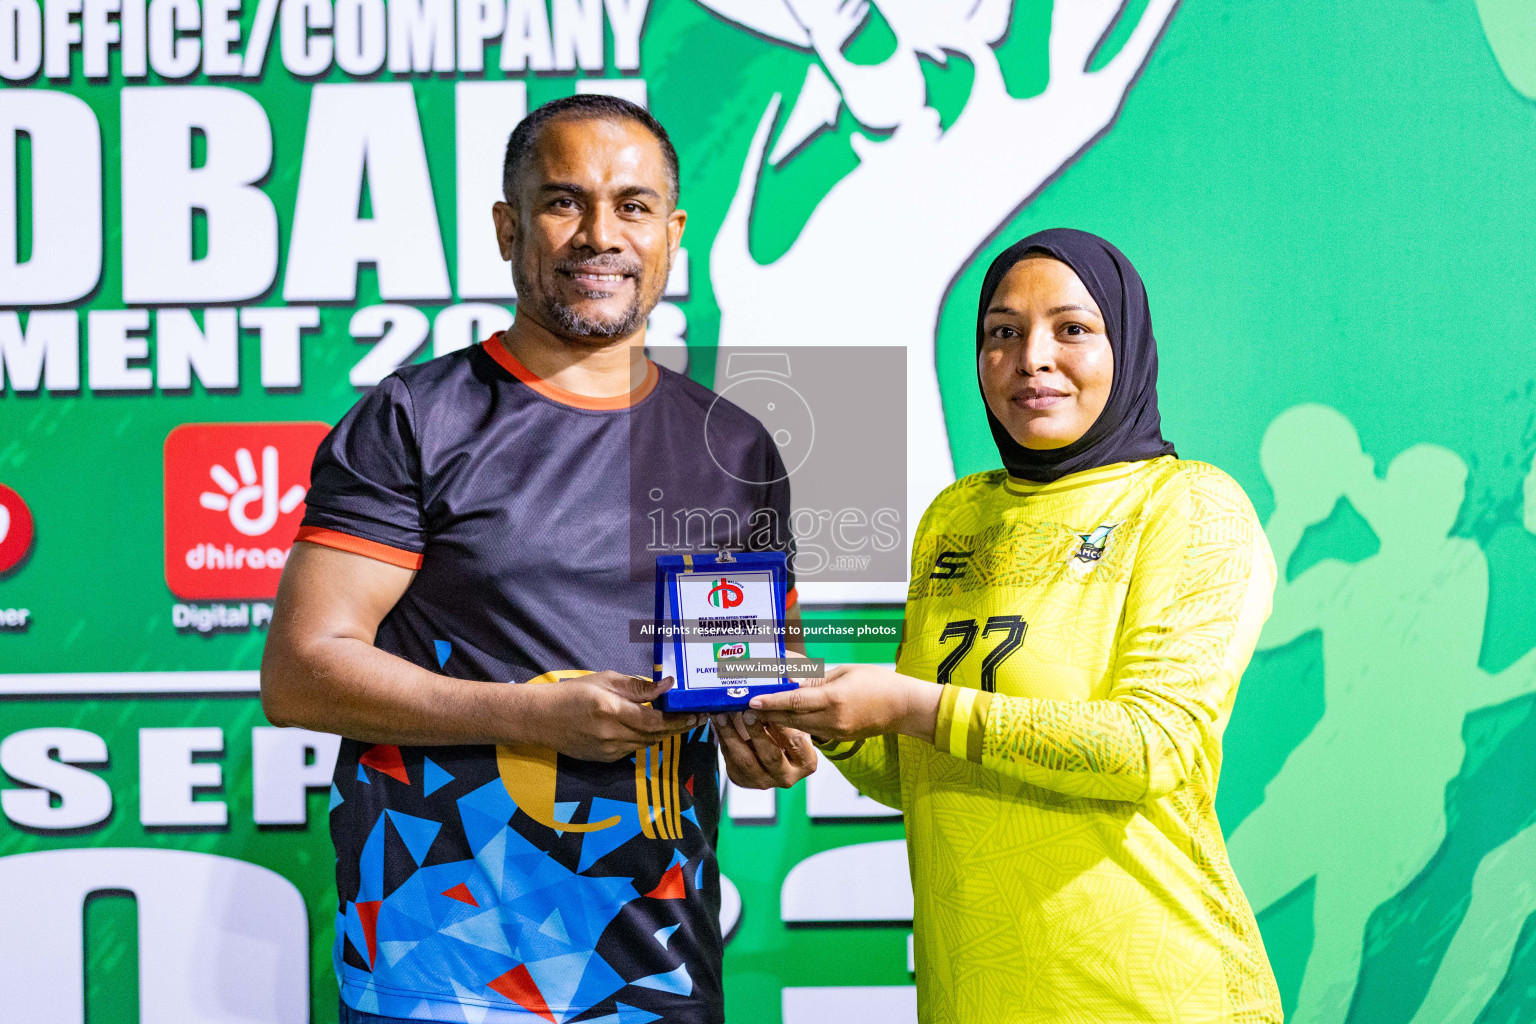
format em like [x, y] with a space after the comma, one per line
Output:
[853, 702]
[603, 716]
[321, 671]
[762, 756]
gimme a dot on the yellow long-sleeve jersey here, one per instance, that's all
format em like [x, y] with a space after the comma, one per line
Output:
[1066, 859]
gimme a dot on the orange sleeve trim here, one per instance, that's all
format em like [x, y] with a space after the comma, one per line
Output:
[507, 361]
[791, 599]
[358, 546]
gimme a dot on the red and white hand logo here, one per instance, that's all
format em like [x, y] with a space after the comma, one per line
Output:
[239, 495]
[234, 498]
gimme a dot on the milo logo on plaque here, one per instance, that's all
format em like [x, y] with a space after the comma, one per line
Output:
[726, 651]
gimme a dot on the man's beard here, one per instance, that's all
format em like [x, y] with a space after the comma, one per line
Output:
[574, 324]
[578, 325]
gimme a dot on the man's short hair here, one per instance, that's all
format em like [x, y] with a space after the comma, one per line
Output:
[583, 106]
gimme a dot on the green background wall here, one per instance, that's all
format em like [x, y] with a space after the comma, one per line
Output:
[1330, 204]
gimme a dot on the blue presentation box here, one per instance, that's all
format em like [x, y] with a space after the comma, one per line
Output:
[712, 610]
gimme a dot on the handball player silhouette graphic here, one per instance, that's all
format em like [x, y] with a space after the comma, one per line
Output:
[1401, 635]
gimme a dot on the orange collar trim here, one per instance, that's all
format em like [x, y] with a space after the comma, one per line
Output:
[507, 361]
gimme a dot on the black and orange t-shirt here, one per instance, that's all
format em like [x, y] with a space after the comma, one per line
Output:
[511, 883]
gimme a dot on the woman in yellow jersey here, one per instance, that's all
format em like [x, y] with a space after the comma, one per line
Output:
[1075, 630]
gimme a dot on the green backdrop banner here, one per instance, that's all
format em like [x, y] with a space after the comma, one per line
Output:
[220, 222]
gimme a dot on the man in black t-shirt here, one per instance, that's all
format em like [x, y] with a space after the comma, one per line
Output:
[542, 851]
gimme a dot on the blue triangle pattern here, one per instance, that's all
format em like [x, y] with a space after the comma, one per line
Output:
[587, 905]
[483, 930]
[395, 950]
[479, 829]
[408, 911]
[533, 910]
[527, 869]
[608, 896]
[554, 927]
[492, 859]
[417, 833]
[336, 798]
[490, 800]
[565, 810]
[598, 982]
[439, 878]
[474, 1012]
[597, 845]
[433, 778]
[352, 928]
[532, 945]
[371, 875]
[425, 1010]
[401, 916]
[362, 775]
[677, 982]
[558, 977]
[444, 649]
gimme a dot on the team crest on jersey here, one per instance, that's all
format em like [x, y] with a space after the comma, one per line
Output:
[1092, 547]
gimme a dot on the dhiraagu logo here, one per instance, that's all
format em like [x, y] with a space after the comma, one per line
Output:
[725, 652]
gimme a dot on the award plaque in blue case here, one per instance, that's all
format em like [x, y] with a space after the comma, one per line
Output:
[712, 610]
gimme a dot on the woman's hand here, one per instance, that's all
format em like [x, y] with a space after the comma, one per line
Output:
[852, 702]
[762, 756]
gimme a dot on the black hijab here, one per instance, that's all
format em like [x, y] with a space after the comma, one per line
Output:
[1129, 429]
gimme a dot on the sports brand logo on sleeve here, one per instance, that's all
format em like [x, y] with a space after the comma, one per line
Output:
[950, 565]
[234, 498]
